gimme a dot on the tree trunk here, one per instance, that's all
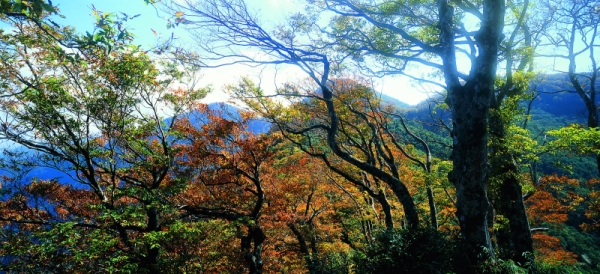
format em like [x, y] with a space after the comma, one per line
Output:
[253, 254]
[148, 263]
[513, 207]
[509, 202]
[386, 208]
[399, 188]
[470, 167]
[588, 100]
[469, 102]
[309, 257]
[432, 209]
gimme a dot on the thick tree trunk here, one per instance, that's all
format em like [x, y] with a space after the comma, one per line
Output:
[470, 166]
[513, 207]
[593, 120]
[590, 105]
[469, 103]
[253, 254]
[509, 202]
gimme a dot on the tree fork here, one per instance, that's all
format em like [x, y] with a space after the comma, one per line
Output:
[470, 104]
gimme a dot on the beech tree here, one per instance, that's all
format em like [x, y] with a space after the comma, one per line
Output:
[231, 20]
[128, 183]
[232, 28]
[224, 163]
[369, 130]
[572, 35]
[92, 113]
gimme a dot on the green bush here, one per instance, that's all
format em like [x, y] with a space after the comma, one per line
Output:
[410, 251]
[423, 251]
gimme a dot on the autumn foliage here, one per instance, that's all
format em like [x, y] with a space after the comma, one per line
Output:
[113, 164]
[550, 250]
[551, 204]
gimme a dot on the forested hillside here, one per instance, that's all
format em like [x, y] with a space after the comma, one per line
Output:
[112, 163]
[555, 106]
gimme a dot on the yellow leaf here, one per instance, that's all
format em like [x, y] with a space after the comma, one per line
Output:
[179, 14]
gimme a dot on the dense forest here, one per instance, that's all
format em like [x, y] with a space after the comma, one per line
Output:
[111, 163]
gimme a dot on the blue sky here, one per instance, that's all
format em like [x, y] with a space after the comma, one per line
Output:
[271, 12]
[78, 13]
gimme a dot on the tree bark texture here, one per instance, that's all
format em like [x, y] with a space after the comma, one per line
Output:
[470, 166]
[469, 102]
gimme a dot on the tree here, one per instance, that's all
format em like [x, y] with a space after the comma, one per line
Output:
[31, 10]
[262, 192]
[506, 183]
[573, 35]
[365, 154]
[469, 94]
[92, 112]
[448, 30]
[325, 216]
[224, 162]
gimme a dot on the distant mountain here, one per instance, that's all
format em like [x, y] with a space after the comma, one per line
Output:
[556, 106]
[231, 112]
[43, 173]
[256, 126]
[386, 99]
[559, 98]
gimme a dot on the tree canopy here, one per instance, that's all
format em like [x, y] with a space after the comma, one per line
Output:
[112, 162]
